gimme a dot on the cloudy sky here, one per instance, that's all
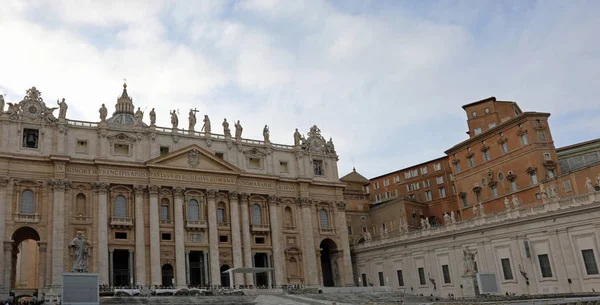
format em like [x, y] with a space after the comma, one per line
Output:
[385, 79]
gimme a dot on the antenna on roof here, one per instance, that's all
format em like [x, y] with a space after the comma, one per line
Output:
[353, 168]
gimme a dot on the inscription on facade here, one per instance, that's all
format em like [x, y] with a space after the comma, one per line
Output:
[141, 174]
[287, 187]
[264, 184]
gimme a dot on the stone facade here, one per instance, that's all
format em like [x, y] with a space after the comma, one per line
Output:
[166, 206]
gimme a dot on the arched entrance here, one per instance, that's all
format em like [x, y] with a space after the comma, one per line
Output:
[224, 276]
[167, 275]
[329, 265]
[25, 268]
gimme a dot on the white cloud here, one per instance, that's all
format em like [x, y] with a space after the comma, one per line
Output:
[387, 85]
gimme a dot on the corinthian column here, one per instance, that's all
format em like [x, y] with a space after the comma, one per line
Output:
[246, 237]
[213, 238]
[342, 232]
[3, 183]
[155, 276]
[276, 239]
[140, 243]
[309, 243]
[102, 189]
[58, 230]
[179, 238]
[236, 241]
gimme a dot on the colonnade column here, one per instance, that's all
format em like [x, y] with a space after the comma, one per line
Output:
[155, 276]
[246, 237]
[7, 252]
[140, 243]
[179, 238]
[236, 241]
[3, 183]
[309, 250]
[276, 239]
[213, 238]
[342, 232]
[42, 267]
[58, 230]
[103, 267]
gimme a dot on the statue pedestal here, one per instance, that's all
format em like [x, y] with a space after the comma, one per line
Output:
[3, 293]
[80, 288]
[470, 289]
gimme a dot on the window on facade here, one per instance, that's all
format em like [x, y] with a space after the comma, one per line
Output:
[120, 207]
[376, 185]
[513, 186]
[411, 196]
[506, 269]
[121, 149]
[318, 168]
[533, 178]
[253, 163]
[164, 150]
[500, 176]
[120, 235]
[349, 230]
[546, 156]
[486, 156]
[27, 203]
[256, 215]
[30, 138]
[407, 175]
[471, 162]
[165, 236]
[492, 125]
[396, 179]
[454, 189]
[523, 139]
[400, 278]
[414, 172]
[442, 192]
[494, 191]
[426, 183]
[377, 197]
[386, 182]
[80, 205]
[486, 110]
[545, 268]
[591, 158]
[396, 192]
[428, 196]
[423, 170]
[164, 212]
[381, 281]
[259, 240]
[477, 131]
[567, 185]
[474, 114]
[220, 155]
[589, 260]
[550, 173]
[324, 219]
[542, 135]
[223, 238]
[193, 210]
[446, 273]
[504, 147]
[483, 182]
[439, 179]
[538, 196]
[367, 190]
[283, 167]
[81, 146]
[387, 195]
[457, 168]
[289, 216]
[221, 218]
[437, 167]
[422, 281]
[464, 201]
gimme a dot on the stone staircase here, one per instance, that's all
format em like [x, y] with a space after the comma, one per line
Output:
[179, 300]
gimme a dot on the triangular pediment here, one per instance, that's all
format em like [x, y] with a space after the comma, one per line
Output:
[193, 157]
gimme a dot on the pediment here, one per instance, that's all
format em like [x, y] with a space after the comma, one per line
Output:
[193, 157]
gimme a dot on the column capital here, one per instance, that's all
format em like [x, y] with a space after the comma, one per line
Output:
[100, 187]
[139, 189]
[43, 246]
[273, 200]
[211, 194]
[178, 191]
[4, 181]
[233, 196]
[153, 190]
[304, 202]
[244, 198]
[59, 184]
[341, 205]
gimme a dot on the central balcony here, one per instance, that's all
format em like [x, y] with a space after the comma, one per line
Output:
[260, 228]
[121, 222]
[19, 217]
[327, 231]
[195, 225]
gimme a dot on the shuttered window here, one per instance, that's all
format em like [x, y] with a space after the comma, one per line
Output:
[27, 206]
[120, 207]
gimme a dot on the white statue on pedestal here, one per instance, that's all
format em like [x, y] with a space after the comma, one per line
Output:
[423, 223]
[447, 220]
[506, 203]
[474, 211]
[469, 260]
[481, 210]
[452, 217]
[588, 184]
[515, 201]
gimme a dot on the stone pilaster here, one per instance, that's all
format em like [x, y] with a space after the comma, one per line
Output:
[155, 274]
[342, 232]
[140, 243]
[102, 255]
[42, 267]
[187, 268]
[311, 274]
[213, 238]
[62, 134]
[130, 267]
[7, 265]
[3, 286]
[236, 241]
[246, 237]
[276, 239]
[110, 266]
[179, 238]
[59, 187]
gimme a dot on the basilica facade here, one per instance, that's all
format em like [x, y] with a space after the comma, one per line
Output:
[164, 206]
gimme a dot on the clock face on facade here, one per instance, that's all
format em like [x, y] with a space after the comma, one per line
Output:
[316, 144]
[32, 109]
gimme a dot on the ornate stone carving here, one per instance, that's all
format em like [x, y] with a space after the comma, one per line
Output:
[233, 196]
[211, 194]
[175, 138]
[4, 181]
[304, 202]
[244, 197]
[314, 143]
[8, 247]
[469, 261]
[63, 129]
[59, 184]
[272, 199]
[153, 190]
[139, 189]
[222, 196]
[102, 133]
[341, 206]
[178, 191]
[100, 187]
[193, 158]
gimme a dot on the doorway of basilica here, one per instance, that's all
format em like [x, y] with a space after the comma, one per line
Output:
[25, 262]
[329, 267]
[121, 268]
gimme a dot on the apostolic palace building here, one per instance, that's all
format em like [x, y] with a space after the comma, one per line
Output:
[164, 206]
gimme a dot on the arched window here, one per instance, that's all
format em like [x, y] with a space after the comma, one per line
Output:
[164, 209]
[256, 215]
[120, 207]
[80, 205]
[483, 182]
[27, 206]
[289, 217]
[193, 210]
[221, 216]
[324, 219]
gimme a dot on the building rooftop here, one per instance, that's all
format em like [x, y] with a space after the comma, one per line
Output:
[354, 176]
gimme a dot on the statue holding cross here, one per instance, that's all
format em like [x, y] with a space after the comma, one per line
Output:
[192, 119]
